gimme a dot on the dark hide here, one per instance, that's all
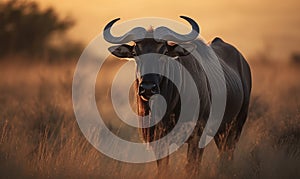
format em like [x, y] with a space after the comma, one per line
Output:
[238, 83]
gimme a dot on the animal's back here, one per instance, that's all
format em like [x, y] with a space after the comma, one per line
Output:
[236, 70]
[234, 59]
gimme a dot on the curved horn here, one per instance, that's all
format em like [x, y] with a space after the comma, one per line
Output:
[165, 33]
[134, 34]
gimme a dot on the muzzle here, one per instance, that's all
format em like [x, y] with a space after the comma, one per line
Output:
[148, 89]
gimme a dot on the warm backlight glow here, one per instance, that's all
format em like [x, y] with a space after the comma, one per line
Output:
[253, 26]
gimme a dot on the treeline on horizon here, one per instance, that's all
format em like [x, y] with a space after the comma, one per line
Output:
[28, 30]
[38, 33]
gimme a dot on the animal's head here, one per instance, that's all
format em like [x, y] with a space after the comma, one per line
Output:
[152, 48]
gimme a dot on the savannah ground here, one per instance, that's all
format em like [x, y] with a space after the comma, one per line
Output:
[39, 135]
[40, 138]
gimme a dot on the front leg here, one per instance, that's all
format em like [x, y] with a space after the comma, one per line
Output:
[161, 151]
[194, 156]
[162, 166]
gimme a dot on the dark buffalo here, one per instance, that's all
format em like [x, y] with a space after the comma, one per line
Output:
[236, 72]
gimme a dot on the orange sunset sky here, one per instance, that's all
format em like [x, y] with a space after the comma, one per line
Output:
[270, 26]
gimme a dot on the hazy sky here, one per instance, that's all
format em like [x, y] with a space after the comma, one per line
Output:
[254, 26]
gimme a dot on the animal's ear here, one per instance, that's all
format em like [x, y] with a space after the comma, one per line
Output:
[181, 50]
[122, 51]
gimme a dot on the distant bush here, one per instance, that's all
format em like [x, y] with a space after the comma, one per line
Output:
[295, 58]
[27, 29]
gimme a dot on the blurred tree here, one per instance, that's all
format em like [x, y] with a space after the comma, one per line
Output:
[295, 58]
[26, 29]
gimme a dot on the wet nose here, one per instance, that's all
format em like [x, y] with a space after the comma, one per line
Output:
[147, 89]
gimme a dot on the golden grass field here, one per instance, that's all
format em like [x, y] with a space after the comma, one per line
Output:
[40, 138]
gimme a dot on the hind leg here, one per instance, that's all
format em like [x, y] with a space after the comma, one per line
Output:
[227, 138]
[226, 142]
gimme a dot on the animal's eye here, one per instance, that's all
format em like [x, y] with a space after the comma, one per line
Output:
[133, 53]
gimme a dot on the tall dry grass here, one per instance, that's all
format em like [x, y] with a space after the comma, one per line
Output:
[39, 136]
